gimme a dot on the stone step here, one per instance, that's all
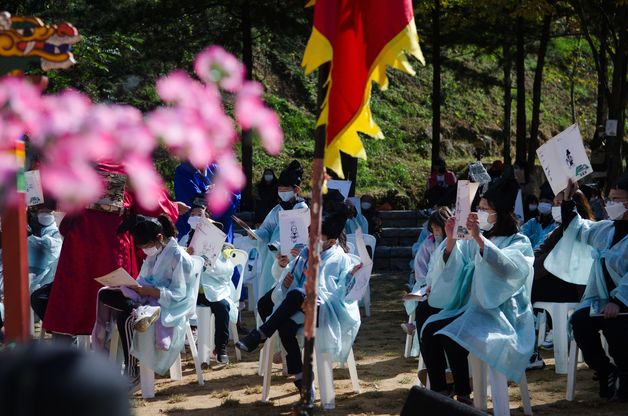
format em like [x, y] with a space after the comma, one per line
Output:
[399, 218]
[399, 237]
[392, 258]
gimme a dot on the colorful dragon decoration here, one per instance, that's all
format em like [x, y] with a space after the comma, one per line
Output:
[26, 41]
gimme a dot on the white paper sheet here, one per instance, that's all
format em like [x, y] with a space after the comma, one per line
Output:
[564, 157]
[207, 241]
[360, 282]
[342, 186]
[464, 199]
[118, 277]
[293, 228]
[34, 191]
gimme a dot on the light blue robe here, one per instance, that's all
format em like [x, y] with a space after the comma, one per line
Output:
[569, 260]
[43, 256]
[492, 291]
[171, 271]
[269, 232]
[217, 285]
[536, 233]
[358, 221]
[338, 319]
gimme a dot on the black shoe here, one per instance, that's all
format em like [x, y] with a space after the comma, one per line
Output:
[222, 358]
[536, 361]
[299, 383]
[250, 342]
[608, 383]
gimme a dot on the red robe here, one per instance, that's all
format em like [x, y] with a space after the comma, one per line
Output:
[92, 248]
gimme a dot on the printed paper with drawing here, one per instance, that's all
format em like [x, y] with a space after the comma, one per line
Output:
[464, 199]
[34, 192]
[118, 277]
[342, 186]
[563, 157]
[293, 228]
[207, 241]
[360, 283]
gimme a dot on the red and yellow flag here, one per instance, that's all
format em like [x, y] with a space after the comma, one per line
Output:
[360, 38]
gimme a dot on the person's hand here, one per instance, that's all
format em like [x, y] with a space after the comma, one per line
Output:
[473, 225]
[282, 260]
[294, 251]
[611, 310]
[570, 190]
[356, 268]
[287, 281]
[183, 208]
[190, 250]
[449, 228]
[146, 291]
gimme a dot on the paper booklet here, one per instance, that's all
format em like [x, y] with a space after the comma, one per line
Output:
[342, 186]
[118, 277]
[563, 157]
[360, 283]
[34, 191]
[420, 294]
[245, 227]
[207, 241]
[293, 228]
[464, 199]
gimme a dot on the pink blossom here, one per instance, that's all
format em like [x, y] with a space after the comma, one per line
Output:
[73, 186]
[268, 127]
[214, 65]
[219, 198]
[147, 183]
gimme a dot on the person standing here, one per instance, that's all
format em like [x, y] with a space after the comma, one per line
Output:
[266, 195]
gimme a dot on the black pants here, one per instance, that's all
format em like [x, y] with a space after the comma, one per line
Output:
[555, 289]
[280, 321]
[586, 333]
[433, 349]
[39, 300]
[124, 306]
[220, 310]
[423, 311]
[265, 305]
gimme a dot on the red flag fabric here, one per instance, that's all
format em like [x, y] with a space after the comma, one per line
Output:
[360, 38]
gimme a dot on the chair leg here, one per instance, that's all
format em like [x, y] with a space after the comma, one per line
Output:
[175, 369]
[197, 362]
[367, 301]
[525, 395]
[113, 343]
[572, 367]
[478, 371]
[234, 335]
[409, 338]
[542, 326]
[147, 382]
[325, 380]
[267, 363]
[499, 387]
[203, 318]
[353, 372]
[561, 341]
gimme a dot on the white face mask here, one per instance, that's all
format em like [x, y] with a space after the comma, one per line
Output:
[45, 218]
[533, 207]
[151, 251]
[545, 207]
[615, 210]
[483, 219]
[268, 178]
[556, 214]
[366, 205]
[286, 196]
[193, 221]
[440, 178]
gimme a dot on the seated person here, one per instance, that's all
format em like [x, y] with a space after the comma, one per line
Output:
[539, 227]
[441, 185]
[373, 219]
[162, 285]
[338, 319]
[355, 219]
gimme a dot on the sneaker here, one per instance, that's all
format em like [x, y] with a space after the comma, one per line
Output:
[299, 383]
[145, 315]
[221, 357]
[536, 361]
[548, 342]
[608, 383]
[409, 328]
[250, 342]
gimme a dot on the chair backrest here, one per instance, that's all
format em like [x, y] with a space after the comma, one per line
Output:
[239, 258]
[369, 242]
[351, 247]
[193, 283]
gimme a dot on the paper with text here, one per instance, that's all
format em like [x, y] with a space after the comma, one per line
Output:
[34, 191]
[464, 199]
[360, 283]
[207, 241]
[118, 277]
[293, 228]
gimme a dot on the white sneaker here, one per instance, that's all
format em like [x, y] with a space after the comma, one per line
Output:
[548, 342]
[145, 315]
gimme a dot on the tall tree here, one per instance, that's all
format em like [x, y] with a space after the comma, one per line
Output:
[247, 141]
[520, 145]
[436, 81]
[507, 105]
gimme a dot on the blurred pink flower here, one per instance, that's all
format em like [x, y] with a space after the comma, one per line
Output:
[214, 65]
[145, 180]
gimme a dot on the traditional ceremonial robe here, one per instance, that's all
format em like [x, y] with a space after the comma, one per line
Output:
[358, 221]
[491, 291]
[269, 232]
[92, 248]
[338, 319]
[577, 258]
[217, 285]
[43, 256]
[536, 233]
[171, 272]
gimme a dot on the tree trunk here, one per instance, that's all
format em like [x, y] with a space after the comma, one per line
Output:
[507, 85]
[520, 146]
[536, 92]
[247, 203]
[602, 80]
[436, 92]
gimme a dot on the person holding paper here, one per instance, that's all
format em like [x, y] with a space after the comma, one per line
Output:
[607, 284]
[482, 285]
[338, 319]
[288, 191]
[161, 293]
[540, 226]
[44, 246]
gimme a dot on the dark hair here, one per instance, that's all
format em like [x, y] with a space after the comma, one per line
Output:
[582, 205]
[439, 217]
[146, 229]
[506, 225]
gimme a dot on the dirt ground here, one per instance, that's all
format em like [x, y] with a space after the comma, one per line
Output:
[385, 377]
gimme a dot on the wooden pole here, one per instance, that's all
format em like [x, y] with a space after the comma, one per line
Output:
[306, 406]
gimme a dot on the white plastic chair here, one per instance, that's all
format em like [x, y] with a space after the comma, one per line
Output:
[572, 366]
[205, 319]
[560, 313]
[498, 386]
[410, 338]
[250, 272]
[370, 242]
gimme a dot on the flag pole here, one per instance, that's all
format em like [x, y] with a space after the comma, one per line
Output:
[306, 405]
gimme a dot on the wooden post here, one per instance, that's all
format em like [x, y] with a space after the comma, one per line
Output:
[306, 406]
